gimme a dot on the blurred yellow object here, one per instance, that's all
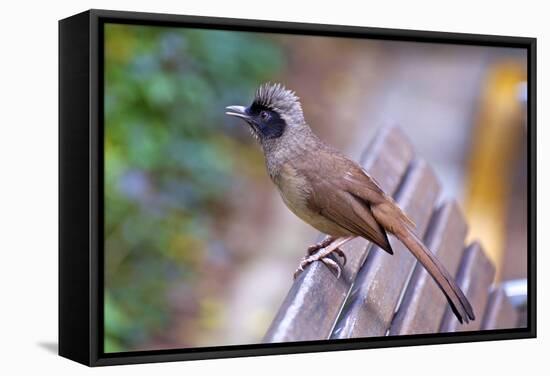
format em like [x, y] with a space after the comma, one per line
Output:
[494, 148]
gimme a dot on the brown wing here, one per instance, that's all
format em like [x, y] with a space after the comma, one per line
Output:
[331, 198]
[365, 187]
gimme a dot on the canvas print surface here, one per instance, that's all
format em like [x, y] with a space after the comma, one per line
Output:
[228, 153]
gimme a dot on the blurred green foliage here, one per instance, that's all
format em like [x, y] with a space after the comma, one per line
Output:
[171, 157]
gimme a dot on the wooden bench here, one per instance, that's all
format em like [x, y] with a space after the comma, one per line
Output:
[379, 294]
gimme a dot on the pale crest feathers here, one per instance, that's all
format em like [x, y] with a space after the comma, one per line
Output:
[280, 99]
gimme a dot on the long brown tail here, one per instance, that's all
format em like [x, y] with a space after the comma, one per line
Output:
[456, 298]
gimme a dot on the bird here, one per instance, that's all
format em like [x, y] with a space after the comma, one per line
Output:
[331, 192]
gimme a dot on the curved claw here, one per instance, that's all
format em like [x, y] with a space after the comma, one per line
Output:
[305, 262]
[341, 253]
[332, 265]
[298, 271]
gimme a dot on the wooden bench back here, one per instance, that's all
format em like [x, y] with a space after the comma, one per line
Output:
[380, 294]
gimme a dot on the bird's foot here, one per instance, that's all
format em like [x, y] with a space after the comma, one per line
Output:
[325, 259]
[311, 250]
[316, 253]
[322, 244]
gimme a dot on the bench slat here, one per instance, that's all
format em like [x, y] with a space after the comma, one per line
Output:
[474, 277]
[374, 297]
[316, 297]
[423, 304]
[500, 313]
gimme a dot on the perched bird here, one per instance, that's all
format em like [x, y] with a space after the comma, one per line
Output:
[331, 192]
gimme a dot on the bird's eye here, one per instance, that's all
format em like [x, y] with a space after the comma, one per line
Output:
[264, 115]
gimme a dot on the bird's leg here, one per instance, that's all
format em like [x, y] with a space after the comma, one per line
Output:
[325, 243]
[322, 244]
[322, 255]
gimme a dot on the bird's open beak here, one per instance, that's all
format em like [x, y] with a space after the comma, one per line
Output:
[238, 111]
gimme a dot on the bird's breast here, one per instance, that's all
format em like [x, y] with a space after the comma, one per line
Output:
[295, 191]
[293, 187]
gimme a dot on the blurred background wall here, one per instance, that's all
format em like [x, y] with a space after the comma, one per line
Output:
[199, 248]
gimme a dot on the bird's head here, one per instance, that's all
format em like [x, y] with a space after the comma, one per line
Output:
[273, 112]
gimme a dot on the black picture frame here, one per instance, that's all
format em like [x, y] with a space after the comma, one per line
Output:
[81, 186]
